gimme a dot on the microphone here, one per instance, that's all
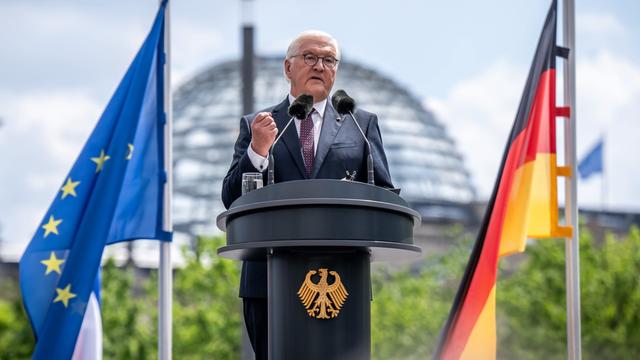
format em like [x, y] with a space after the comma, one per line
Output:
[300, 108]
[345, 104]
[342, 102]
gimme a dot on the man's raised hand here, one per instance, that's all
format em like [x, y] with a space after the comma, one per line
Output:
[264, 131]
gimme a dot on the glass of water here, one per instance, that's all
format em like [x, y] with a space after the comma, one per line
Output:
[251, 181]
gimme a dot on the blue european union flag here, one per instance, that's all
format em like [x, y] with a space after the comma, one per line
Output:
[114, 192]
[592, 163]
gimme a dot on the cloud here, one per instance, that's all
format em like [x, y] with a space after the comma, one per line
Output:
[193, 46]
[599, 31]
[68, 46]
[599, 24]
[608, 89]
[41, 136]
[479, 112]
[56, 80]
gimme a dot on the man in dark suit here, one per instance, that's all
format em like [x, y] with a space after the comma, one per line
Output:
[322, 146]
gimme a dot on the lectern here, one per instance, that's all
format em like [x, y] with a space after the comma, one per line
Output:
[319, 238]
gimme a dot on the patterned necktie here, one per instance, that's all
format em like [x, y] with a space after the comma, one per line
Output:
[306, 142]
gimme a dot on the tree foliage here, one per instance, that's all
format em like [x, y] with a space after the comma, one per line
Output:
[410, 305]
[531, 302]
[409, 308]
[206, 312]
[127, 319]
[16, 338]
[206, 305]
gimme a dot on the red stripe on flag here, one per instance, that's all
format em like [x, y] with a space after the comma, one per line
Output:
[541, 129]
[563, 111]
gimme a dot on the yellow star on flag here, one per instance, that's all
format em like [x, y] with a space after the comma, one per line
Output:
[100, 160]
[51, 226]
[64, 295]
[69, 188]
[53, 264]
[130, 146]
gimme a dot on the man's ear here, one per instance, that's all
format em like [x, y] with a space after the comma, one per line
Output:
[287, 69]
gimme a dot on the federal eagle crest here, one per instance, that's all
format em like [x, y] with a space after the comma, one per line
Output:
[322, 301]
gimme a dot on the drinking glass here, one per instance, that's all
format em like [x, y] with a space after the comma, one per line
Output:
[251, 181]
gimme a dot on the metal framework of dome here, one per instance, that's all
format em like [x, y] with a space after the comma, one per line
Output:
[422, 158]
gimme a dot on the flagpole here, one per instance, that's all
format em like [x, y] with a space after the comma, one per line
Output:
[572, 252]
[165, 276]
[603, 179]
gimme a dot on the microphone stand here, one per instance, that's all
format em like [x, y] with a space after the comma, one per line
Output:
[270, 176]
[370, 179]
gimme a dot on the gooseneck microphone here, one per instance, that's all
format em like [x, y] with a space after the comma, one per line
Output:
[345, 104]
[300, 108]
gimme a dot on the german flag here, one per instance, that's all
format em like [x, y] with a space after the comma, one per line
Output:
[523, 205]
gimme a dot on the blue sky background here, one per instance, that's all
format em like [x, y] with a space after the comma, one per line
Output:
[467, 60]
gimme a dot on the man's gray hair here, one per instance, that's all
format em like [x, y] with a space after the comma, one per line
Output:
[295, 44]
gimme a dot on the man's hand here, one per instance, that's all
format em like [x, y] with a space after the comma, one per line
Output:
[264, 131]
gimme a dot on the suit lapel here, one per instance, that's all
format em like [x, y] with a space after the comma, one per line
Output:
[290, 138]
[330, 127]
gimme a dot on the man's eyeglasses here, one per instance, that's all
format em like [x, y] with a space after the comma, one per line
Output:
[328, 61]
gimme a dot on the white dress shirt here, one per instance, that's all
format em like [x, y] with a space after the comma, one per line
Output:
[261, 163]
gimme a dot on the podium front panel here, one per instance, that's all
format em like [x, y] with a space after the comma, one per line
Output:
[336, 323]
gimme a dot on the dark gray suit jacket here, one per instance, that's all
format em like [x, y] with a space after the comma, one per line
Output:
[341, 148]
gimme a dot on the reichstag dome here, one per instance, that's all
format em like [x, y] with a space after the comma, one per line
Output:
[423, 159]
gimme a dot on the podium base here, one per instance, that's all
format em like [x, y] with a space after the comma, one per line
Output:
[336, 323]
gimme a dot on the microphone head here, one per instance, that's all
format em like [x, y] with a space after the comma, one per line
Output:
[342, 102]
[301, 107]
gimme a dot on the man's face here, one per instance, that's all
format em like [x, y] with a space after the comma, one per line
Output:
[316, 80]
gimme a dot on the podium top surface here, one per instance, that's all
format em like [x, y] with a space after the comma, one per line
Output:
[319, 213]
[317, 192]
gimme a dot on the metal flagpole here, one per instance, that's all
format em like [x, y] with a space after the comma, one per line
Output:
[247, 12]
[572, 251]
[603, 178]
[165, 276]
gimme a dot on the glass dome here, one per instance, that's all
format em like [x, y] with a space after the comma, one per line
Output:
[423, 160]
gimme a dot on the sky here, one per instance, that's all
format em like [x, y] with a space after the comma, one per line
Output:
[467, 61]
